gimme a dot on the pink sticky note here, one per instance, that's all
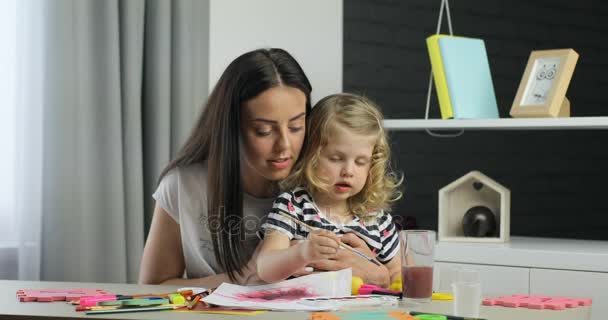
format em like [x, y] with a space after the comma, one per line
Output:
[537, 302]
[512, 302]
[536, 305]
[555, 305]
[584, 302]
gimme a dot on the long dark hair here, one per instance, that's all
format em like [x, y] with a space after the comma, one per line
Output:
[215, 138]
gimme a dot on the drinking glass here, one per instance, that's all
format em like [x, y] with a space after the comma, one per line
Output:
[417, 257]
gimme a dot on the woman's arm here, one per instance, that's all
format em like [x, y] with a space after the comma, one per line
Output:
[163, 258]
[277, 259]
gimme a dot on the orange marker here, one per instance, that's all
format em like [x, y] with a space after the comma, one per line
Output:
[186, 293]
[193, 303]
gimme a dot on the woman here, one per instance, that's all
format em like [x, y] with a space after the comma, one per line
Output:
[212, 196]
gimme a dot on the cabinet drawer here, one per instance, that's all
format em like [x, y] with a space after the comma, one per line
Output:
[573, 284]
[496, 280]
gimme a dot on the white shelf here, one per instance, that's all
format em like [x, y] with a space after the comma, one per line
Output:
[577, 123]
[544, 253]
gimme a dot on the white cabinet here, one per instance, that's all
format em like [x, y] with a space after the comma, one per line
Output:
[536, 266]
[573, 284]
[495, 280]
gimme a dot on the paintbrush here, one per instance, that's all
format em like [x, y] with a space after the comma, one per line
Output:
[343, 245]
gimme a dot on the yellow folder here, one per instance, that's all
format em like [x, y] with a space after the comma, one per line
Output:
[441, 85]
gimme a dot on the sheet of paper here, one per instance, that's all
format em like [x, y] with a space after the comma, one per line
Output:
[284, 295]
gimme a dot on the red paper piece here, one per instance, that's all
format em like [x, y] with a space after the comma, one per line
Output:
[49, 295]
[536, 302]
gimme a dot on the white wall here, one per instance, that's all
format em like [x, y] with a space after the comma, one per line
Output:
[311, 30]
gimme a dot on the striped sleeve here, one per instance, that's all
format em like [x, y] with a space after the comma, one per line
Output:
[275, 221]
[389, 238]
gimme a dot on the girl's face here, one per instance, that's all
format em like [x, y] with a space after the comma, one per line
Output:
[272, 129]
[344, 162]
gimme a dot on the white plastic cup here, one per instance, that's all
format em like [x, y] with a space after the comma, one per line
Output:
[467, 299]
[467, 293]
[467, 275]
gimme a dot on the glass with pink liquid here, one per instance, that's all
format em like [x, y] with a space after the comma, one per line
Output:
[417, 256]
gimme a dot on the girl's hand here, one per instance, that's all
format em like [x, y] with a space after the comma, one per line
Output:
[369, 272]
[321, 244]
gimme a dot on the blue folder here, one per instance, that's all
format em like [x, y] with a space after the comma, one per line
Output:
[467, 72]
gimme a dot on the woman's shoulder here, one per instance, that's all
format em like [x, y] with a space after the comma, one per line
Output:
[182, 191]
[189, 176]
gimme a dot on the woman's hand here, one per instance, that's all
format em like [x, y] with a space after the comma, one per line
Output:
[321, 245]
[369, 272]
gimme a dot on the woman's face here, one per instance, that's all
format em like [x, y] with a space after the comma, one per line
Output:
[272, 127]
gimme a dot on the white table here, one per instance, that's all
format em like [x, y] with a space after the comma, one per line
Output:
[10, 307]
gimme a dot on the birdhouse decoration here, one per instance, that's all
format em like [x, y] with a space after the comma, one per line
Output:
[474, 208]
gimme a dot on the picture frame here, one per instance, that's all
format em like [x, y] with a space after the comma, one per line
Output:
[543, 86]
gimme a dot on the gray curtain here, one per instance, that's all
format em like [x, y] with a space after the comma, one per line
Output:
[122, 84]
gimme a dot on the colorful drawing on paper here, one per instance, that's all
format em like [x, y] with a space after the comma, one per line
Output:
[276, 294]
[285, 295]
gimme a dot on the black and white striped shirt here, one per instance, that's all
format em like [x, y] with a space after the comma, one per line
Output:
[380, 234]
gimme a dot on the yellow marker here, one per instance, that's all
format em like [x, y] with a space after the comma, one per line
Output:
[177, 298]
[355, 285]
[442, 296]
[396, 285]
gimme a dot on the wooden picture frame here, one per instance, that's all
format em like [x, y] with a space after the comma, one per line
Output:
[542, 90]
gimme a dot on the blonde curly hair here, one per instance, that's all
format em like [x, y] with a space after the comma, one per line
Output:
[359, 115]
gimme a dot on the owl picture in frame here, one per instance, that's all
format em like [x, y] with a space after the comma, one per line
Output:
[542, 90]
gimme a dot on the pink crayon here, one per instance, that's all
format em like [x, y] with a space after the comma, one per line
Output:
[372, 289]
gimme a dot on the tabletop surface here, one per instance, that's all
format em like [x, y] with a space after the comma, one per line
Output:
[10, 306]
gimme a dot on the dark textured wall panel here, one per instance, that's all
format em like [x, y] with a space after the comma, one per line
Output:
[557, 178]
